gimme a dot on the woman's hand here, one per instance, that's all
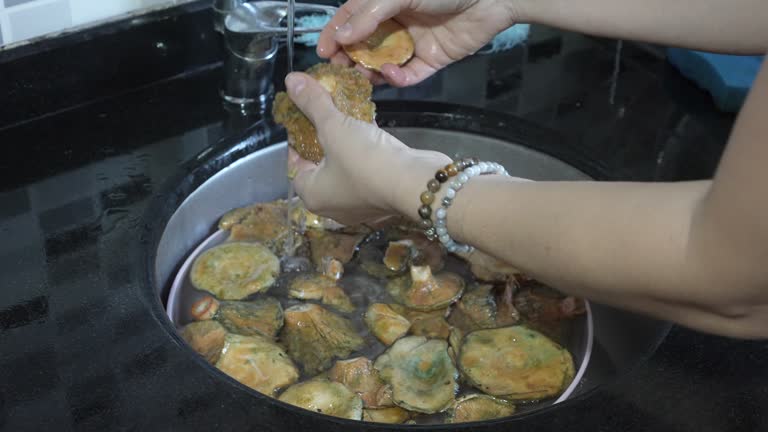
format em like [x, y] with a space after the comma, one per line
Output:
[367, 174]
[444, 32]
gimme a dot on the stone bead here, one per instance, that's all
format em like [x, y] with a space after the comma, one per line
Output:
[447, 201]
[484, 166]
[426, 224]
[444, 238]
[440, 213]
[441, 176]
[452, 170]
[463, 177]
[450, 193]
[425, 211]
[427, 197]
[455, 185]
[441, 231]
[440, 223]
[433, 186]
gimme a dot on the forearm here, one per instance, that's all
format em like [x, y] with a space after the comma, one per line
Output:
[622, 244]
[737, 26]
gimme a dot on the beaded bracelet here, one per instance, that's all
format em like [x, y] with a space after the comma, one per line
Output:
[463, 170]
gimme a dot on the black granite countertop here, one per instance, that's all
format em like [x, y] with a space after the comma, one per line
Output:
[94, 124]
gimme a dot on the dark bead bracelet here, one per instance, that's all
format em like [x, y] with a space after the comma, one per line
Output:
[433, 187]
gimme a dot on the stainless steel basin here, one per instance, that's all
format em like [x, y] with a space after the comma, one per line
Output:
[621, 339]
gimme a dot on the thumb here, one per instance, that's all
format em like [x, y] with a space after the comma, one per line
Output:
[364, 21]
[311, 98]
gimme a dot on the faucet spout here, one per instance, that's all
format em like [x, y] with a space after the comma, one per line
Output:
[252, 32]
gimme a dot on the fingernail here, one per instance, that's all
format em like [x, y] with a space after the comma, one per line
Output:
[345, 30]
[295, 83]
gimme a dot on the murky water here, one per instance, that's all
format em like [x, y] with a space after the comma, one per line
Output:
[363, 290]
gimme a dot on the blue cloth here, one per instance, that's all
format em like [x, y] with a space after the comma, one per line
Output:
[727, 78]
[505, 40]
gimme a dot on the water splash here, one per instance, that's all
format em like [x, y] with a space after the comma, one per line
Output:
[291, 23]
[616, 70]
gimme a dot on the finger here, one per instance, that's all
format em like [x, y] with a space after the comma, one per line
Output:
[364, 21]
[378, 80]
[311, 99]
[372, 76]
[302, 185]
[297, 164]
[326, 44]
[414, 72]
[342, 59]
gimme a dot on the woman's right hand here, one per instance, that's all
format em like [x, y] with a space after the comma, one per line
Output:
[366, 174]
[444, 31]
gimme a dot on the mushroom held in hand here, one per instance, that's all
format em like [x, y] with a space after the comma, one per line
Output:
[390, 43]
[351, 94]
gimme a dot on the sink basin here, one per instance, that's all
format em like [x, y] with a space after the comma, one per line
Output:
[621, 340]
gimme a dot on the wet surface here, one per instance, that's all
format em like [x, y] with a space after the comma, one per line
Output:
[80, 349]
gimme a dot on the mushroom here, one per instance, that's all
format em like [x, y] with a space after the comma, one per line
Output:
[386, 324]
[479, 407]
[421, 374]
[262, 316]
[515, 363]
[315, 336]
[423, 291]
[325, 397]
[233, 271]
[258, 363]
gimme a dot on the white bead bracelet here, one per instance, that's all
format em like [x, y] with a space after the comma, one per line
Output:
[461, 171]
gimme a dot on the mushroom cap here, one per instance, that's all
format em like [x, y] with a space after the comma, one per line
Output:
[326, 397]
[515, 363]
[390, 43]
[233, 271]
[421, 374]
